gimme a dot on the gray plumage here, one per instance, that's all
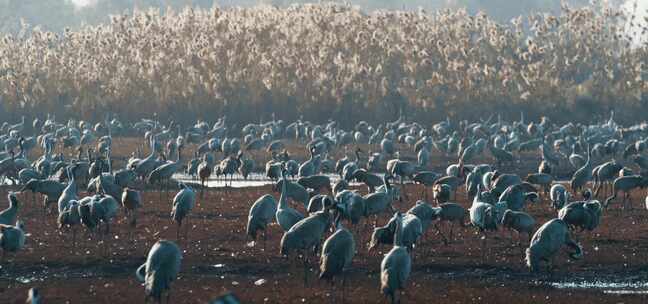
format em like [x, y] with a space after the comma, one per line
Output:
[246, 167]
[396, 266]
[311, 166]
[519, 221]
[337, 252]
[583, 174]
[295, 191]
[541, 179]
[317, 202]
[516, 197]
[370, 180]
[400, 168]
[261, 214]
[604, 174]
[501, 182]
[183, 203]
[424, 212]
[449, 212]
[160, 269]
[101, 208]
[131, 200]
[68, 194]
[426, 178]
[9, 215]
[378, 202]
[165, 171]
[441, 193]
[144, 166]
[559, 196]
[412, 229]
[70, 216]
[547, 241]
[584, 215]
[12, 238]
[315, 182]
[626, 184]
[286, 216]
[352, 205]
[305, 234]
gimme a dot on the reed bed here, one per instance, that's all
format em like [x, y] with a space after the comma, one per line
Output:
[329, 60]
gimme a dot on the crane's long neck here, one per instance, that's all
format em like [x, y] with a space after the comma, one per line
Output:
[108, 154]
[152, 147]
[284, 190]
[338, 222]
[13, 202]
[398, 234]
[478, 197]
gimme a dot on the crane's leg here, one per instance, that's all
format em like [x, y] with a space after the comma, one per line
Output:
[305, 259]
[45, 205]
[202, 187]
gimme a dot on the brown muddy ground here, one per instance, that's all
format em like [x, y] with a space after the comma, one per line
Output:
[218, 258]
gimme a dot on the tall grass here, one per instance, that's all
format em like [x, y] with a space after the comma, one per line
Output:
[329, 60]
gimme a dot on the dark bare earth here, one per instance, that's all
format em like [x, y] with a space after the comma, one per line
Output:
[217, 259]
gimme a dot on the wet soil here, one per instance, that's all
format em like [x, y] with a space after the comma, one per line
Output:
[218, 257]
